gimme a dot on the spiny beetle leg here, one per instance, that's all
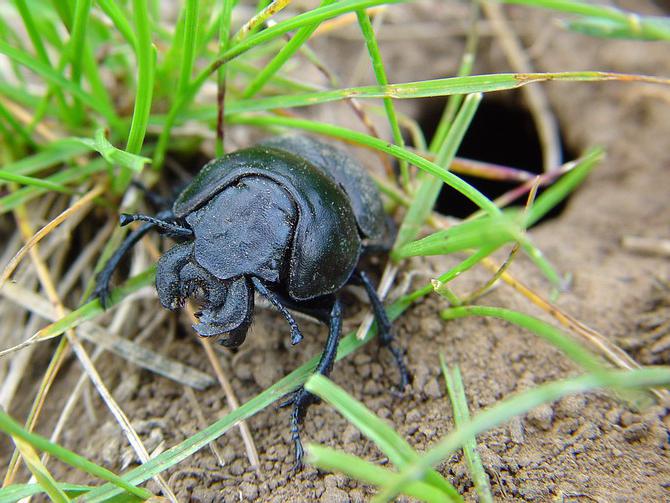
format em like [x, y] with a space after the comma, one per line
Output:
[302, 399]
[386, 336]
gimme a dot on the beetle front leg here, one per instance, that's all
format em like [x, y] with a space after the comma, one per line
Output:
[302, 398]
[296, 334]
[105, 275]
[168, 282]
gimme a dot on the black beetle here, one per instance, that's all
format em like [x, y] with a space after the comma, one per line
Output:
[289, 218]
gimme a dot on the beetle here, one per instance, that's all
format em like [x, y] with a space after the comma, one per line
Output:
[289, 218]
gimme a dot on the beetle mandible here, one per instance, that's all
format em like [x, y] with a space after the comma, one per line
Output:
[290, 219]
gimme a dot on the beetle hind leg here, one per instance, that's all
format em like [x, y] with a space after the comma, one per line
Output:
[386, 336]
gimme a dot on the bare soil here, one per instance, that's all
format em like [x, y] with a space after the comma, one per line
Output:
[583, 448]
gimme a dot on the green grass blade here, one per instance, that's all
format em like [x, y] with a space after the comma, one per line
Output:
[21, 95]
[33, 30]
[520, 404]
[76, 50]
[437, 284]
[311, 17]
[34, 182]
[39, 471]
[65, 11]
[111, 154]
[16, 492]
[630, 24]
[262, 15]
[573, 350]
[116, 14]
[57, 80]
[380, 74]
[20, 130]
[329, 459]
[35, 34]
[564, 186]
[278, 390]
[399, 452]
[54, 153]
[188, 45]
[459, 405]
[370, 141]
[653, 28]
[431, 88]
[62, 177]
[249, 42]
[494, 230]
[93, 308]
[11, 427]
[465, 68]
[145, 85]
[270, 69]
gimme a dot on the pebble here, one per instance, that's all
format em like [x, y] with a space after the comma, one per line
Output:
[351, 434]
[433, 389]
[516, 431]
[356, 496]
[571, 406]
[541, 417]
[635, 432]
[248, 491]
[628, 418]
[334, 495]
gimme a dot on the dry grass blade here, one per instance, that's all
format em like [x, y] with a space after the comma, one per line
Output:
[591, 337]
[510, 258]
[70, 404]
[127, 349]
[652, 246]
[538, 104]
[44, 231]
[19, 365]
[233, 403]
[344, 21]
[27, 118]
[48, 285]
[202, 423]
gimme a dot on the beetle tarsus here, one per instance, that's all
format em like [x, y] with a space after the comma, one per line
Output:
[301, 400]
[296, 334]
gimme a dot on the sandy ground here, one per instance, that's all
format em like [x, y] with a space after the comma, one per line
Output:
[583, 448]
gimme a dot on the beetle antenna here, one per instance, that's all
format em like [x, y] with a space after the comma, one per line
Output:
[177, 230]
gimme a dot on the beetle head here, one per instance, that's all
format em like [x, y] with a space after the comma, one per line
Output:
[226, 305]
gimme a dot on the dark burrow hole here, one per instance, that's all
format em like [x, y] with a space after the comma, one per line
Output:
[502, 132]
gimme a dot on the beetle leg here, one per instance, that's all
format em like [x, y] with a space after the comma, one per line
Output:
[296, 335]
[302, 399]
[384, 326]
[165, 225]
[154, 197]
[105, 275]
[168, 283]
